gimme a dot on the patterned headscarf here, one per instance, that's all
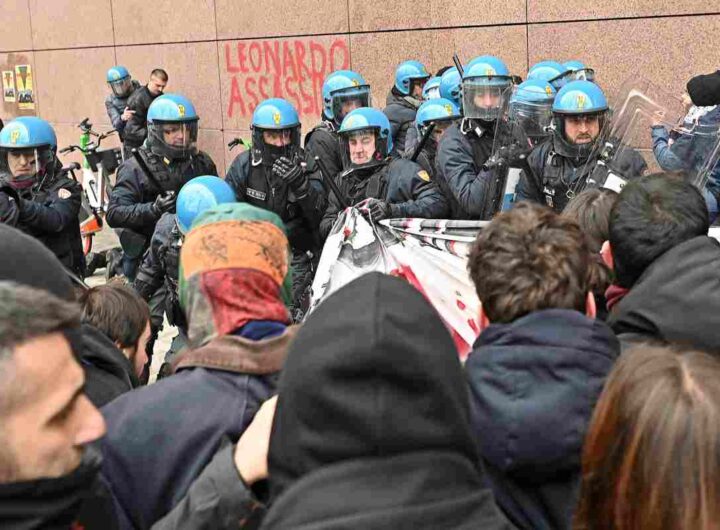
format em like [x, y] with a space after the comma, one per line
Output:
[234, 269]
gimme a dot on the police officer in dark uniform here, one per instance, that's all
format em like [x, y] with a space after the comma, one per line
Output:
[147, 188]
[161, 262]
[395, 187]
[440, 113]
[35, 195]
[275, 175]
[466, 146]
[404, 99]
[343, 91]
[116, 103]
[559, 167]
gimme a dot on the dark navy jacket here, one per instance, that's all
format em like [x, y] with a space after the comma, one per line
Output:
[401, 114]
[161, 437]
[534, 384]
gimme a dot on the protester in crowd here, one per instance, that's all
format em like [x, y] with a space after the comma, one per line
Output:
[591, 211]
[666, 266]
[690, 147]
[115, 328]
[47, 468]
[650, 458]
[234, 289]
[138, 104]
[539, 364]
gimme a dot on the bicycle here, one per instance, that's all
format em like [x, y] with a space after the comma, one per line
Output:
[97, 168]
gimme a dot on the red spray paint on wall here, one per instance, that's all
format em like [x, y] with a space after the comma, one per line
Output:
[290, 69]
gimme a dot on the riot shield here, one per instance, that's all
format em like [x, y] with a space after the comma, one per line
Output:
[624, 148]
[524, 124]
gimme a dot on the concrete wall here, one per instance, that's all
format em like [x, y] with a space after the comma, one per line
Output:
[226, 55]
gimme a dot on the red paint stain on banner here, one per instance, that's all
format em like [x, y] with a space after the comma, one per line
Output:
[289, 69]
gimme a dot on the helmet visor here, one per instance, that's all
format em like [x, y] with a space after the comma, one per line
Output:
[534, 118]
[28, 165]
[173, 139]
[121, 87]
[346, 100]
[484, 101]
[271, 144]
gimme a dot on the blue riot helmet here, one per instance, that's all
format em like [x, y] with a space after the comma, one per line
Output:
[531, 108]
[485, 87]
[584, 104]
[343, 91]
[275, 131]
[198, 195]
[574, 71]
[442, 112]
[119, 80]
[172, 127]
[27, 151]
[450, 86]
[431, 90]
[365, 138]
[546, 70]
[408, 75]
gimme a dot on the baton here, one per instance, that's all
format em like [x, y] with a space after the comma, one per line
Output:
[330, 182]
[458, 64]
[423, 141]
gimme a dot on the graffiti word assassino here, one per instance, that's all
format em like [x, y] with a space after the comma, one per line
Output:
[290, 69]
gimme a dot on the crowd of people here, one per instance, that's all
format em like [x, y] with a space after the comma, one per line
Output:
[587, 401]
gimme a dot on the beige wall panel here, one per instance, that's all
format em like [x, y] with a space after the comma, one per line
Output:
[193, 72]
[71, 23]
[16, 15]
[294, 69]
[237, 19]
[371, 15]
[143, 21]
[376, 55]
[211, 141]
[71, 84]
[8, 62]
[620, 49]
[554, 10]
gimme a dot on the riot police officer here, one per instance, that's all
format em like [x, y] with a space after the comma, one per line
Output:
[36, 196]
[116, 103]
[148, 182]
[440, 113]
[558, 168]
[466, 146]
[404, 99]
[396, 187]
[342, 92]
[275, 175]
[160, 265]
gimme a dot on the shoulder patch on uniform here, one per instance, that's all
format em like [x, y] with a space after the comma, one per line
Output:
[424, 175]
[64, 194]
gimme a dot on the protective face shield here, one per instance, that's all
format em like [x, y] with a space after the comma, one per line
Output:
[483, 98]
[173, 139]
[28, 166]
[121, 88]
[346, 100]
[272, 144]
[363, 148]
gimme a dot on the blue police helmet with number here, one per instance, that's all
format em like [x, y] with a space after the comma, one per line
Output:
[407, 73]
[577, 99]
[172, 127]
[275, 130]
[361, 121]
[436, 111]
[450, 86]
[342, 90]
[36, 139]
[198, 195]
[485, 85]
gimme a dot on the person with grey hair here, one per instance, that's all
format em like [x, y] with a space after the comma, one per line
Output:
[47, 469]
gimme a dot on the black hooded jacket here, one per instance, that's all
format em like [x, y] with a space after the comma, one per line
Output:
[676, 300]
[372, 423]
[108, 373]
[534, 384]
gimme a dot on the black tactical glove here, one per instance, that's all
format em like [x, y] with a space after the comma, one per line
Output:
[378, 210]
[292, 174]
[164, 203]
